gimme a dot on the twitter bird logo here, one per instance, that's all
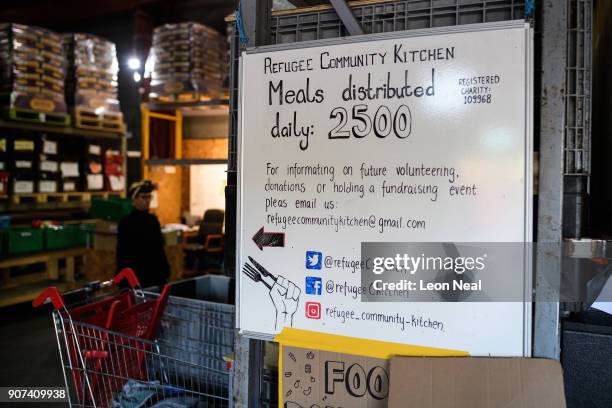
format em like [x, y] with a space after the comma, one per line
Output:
[314, 260]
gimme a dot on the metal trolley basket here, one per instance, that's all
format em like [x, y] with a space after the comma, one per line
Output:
[141, 349]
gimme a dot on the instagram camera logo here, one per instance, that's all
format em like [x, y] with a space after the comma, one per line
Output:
[313, 310]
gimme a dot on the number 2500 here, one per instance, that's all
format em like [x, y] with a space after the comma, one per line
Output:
[383, 124]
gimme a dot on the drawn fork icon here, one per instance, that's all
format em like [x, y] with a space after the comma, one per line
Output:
[254, 275]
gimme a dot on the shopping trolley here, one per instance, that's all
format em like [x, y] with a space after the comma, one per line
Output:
[142, 349]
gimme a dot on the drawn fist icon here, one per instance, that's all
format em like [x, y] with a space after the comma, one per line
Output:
[285, 296]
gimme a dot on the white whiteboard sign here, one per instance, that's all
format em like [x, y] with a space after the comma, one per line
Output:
[339, 139]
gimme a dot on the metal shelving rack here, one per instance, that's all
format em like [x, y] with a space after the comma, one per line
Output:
[174, 113]
[25, 207]
[11, 202]
[65, 131]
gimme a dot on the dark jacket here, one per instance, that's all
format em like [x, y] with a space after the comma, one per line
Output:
[140, 246]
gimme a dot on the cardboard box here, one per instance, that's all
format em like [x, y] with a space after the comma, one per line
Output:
[47, 186]
[99, 264]
[313, 378]
[4, 180]
[70, 185]
[69, 169]
[107, 227]
[95, 182]
[23, 186]
[176, 259]
[105, 242]
[105, 238]
[473, 382]
[171, 237]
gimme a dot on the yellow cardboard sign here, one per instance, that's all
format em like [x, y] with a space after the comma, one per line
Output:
[348, 346]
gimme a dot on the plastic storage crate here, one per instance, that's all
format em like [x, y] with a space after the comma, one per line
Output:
[68, 236]
[578, 96]
[5, 221]
[112, 209]
[82, 234]
[23, 240]
[58, 237]
[386, 16]
[198, 332]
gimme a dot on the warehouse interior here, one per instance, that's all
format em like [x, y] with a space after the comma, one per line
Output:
[149, 90]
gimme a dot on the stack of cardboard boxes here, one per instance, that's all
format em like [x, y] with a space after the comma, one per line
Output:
[32, 73]
[187, 61]
[91, 84]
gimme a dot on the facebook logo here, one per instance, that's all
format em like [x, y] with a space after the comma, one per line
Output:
[314, 285]
[314, 260]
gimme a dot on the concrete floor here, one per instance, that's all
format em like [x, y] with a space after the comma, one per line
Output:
[29, 357]
[28, 350]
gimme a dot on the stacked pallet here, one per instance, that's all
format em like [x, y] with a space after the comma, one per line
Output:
[188, 62]
[4, 157]
[91, 84]
[32, 74]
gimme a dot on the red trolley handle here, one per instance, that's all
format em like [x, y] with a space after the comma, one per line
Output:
[95, 354]
[51, 293]
[129, 275]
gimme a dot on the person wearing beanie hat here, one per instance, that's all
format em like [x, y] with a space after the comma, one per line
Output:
[140, 244]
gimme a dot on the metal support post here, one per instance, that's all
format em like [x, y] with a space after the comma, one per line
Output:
[145, 134]
[546, 340]
[248, 364]
[256, 15]
[178, 134]
[256, 363]
[346, 15]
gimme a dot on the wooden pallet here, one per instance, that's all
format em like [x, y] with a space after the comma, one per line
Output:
[107, 121]
[62, 197]
[186, 97]
[28, 292]
[52, 272]
[28, 115]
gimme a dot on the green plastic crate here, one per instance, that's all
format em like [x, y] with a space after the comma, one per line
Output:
[82, 234]
[23, 240]
[58, 238]
[112, 209]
